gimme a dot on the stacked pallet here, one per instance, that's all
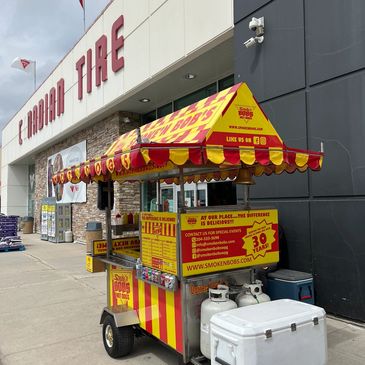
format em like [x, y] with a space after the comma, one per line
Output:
[9, 241]
[13, 243]
[8, 225]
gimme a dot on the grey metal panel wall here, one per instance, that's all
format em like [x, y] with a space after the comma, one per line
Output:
[296, 227]
[335, 36]
[287, 114]
[338, 232]
[337, 117]
[321, 81]
[242, 8]
[277, 66]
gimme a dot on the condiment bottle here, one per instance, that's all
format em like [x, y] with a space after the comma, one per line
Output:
[125, 218]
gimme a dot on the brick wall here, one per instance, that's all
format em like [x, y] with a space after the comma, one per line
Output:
[98, 138]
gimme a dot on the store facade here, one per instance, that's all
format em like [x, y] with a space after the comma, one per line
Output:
[134, 64]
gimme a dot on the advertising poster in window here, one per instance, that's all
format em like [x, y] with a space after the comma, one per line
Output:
[66, 193]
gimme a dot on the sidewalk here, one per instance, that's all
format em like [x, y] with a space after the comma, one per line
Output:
[50, 309]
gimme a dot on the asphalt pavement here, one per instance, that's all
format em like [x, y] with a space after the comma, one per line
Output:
[50, 309]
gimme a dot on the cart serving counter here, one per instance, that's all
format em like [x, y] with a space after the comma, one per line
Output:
[158, 278]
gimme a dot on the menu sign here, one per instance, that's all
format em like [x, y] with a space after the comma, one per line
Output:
[158, 233]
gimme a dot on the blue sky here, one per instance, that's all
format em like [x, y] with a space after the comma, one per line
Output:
[41, 30]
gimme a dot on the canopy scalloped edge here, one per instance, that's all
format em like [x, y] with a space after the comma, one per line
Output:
[154, 157]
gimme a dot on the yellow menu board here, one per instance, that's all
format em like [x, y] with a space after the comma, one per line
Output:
[158, 236]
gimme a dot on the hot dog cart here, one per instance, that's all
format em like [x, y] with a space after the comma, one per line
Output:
[159, 275]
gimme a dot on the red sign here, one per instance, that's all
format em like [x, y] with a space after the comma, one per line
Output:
[52, 105]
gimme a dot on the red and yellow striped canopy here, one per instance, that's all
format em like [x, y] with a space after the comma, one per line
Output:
[223, 132]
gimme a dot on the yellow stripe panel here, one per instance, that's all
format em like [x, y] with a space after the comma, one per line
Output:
[141, 304]
[276, 157]
[301, 159]
[215, 155]
[247, 156]
[155, 312]
[145, 155]
[170, 314]
[179, 157]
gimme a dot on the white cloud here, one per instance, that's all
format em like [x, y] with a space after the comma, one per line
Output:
[40, 30]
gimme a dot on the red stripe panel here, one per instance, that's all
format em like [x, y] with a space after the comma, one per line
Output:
[232, 156]
[159, 156]
[135, 292]
[117, 163]
[262, 156]
[195, 156]
[148, 308]
[178, 322]
[313, 162]
[162, 314]
[92, 168]
[137, 159]
[291, 158]
[104, 169]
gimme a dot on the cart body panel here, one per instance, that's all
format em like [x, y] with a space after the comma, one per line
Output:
[159, 311]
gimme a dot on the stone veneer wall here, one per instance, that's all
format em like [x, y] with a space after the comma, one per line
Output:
[98, 138]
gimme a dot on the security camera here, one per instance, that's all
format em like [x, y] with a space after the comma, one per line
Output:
[256, 22]
[252, 41]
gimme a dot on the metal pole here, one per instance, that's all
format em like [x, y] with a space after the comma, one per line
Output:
[108, 221]
[83, 8]
[182, 190]
[246, 196]
[159, 198]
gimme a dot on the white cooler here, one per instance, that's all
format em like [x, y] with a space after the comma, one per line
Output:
[281, 332]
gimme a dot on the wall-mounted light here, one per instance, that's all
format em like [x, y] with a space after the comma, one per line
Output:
[258, 26]
[190, 76]
[144, 100]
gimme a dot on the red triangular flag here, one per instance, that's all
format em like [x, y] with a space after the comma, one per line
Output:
[82, 3]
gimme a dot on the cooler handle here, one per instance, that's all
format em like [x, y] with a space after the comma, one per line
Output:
[304, 297]
[220, 361]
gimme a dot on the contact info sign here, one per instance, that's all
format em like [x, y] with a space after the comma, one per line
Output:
[218, 241]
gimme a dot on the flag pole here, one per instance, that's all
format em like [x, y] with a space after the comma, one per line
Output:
[83, 8]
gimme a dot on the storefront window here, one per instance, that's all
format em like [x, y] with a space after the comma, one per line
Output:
[226, 83]
[149, 201]
[195, 96]
[188, 99]
[164, 110]
[167, 199]
[149, 117]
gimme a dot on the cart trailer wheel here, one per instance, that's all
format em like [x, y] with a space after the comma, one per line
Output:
[118, 342]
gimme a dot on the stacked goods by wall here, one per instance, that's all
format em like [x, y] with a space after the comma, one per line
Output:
[8, 225]
[8, 233]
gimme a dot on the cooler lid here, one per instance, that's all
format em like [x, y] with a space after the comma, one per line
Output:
[289, 275]
[255, 320]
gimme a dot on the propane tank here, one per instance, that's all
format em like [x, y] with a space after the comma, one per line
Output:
[217, 302]
[252, 294]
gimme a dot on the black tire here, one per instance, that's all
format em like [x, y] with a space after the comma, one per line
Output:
[118, 342]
